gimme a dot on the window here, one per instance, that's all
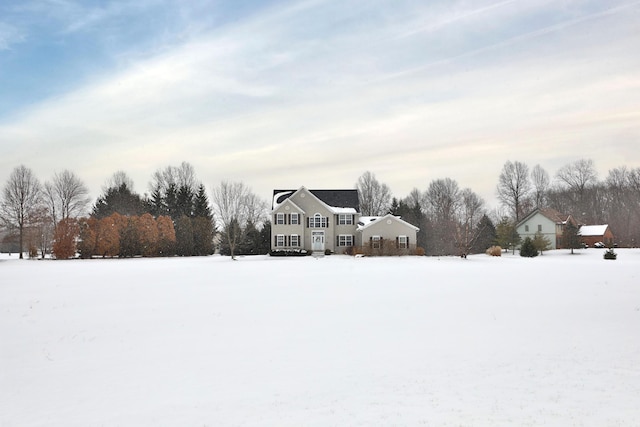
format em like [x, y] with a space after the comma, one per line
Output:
[318, 221]
[345, 240]
[279, 218]
[345, 219]
[295, 240]
[540, 228]
[280, 240]
[526, 228]
[375, 242]
[295, 219]
[403, 242]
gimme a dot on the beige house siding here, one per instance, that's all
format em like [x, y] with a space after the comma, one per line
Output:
[389, 228]
[308, 206]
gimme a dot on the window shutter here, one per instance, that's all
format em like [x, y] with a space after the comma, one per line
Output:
[397, 242]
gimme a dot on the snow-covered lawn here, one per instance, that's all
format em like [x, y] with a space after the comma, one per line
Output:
[337, 341]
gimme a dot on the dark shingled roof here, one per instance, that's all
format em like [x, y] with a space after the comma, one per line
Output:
[334, 198]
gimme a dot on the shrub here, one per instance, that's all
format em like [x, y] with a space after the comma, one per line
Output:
[610, 254]
[494, 251]
[528, 249]
[289, 252]
[419, 251]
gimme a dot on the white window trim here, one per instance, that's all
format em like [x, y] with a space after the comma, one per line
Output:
[375, 242]
[295, 240]
[345, 219]
[318, 221]
[280, 218]
[403, 242]
[279, 243]
[295, 221]
[345, 240]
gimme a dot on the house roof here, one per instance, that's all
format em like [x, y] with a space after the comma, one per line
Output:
[552, 214]
[367, 221]
[593, 230]
[347, 199]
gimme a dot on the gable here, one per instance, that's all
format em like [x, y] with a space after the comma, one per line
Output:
[332, 198]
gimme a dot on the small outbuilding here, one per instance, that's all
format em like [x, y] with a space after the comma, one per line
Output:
[593, 234]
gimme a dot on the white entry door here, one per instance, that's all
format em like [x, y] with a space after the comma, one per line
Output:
[317, 240]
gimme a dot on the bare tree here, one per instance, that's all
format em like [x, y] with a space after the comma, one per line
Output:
[540, 180]
[578, 176]
[442, 201]
[66, 196]
[236, 206]
[21, 201]
[469, 214]
[117, 180]
[177, 176]
[514, 187]
[375, 198]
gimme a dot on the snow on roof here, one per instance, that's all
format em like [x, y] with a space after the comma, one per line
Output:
[343, 210]
[363, 221]
[593, 230]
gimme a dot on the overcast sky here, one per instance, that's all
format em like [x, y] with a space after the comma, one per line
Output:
[280, 94]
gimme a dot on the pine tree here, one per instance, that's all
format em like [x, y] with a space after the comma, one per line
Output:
[118, 200]
[201, 206]
[486, 236]
[184, 201]
[171, 202]
[506, 234]
[184, 236]
[527, 249]
[541, 243]
[203, 234]
[571, 237]
[157, 206]
[264, 244]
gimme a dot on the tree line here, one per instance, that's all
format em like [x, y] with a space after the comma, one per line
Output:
[454, 220]
[178, 218]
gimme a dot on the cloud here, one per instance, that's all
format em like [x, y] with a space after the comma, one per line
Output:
[9, 36]
[317, 92]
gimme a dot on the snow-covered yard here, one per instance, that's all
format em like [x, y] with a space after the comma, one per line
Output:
[337, 341]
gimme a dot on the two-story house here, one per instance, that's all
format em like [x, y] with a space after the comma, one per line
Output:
[321, 220]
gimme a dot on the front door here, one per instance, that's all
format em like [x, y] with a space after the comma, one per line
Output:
[317, 240]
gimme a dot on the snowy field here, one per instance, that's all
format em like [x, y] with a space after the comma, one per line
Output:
[337, 341]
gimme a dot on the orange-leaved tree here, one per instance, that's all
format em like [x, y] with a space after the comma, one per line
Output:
[65, 237]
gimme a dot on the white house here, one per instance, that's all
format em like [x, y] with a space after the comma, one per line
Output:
[548, 222]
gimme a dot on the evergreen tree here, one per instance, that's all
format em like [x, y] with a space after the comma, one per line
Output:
[157, 206]
[570, 237]
[527, 249]
[264, 244]
[201, 206]
[184, 236]
[486, 236]
[393, 210]
[120, 200]
[203, 234]
[171, 202]
[506, 234]
[184, 201]
[541, 243]
[250, 240]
